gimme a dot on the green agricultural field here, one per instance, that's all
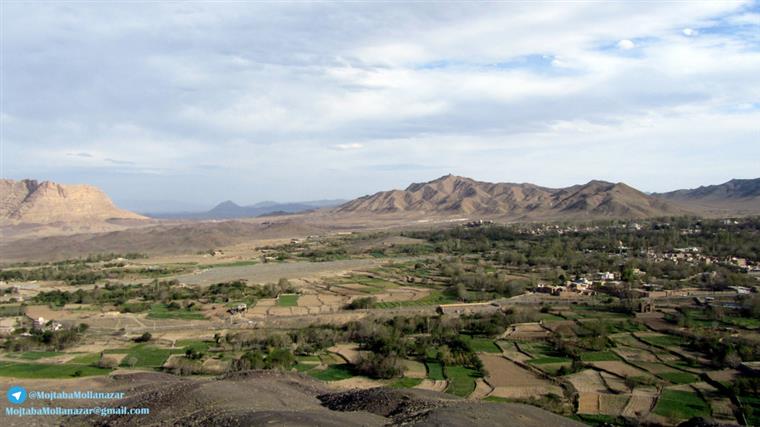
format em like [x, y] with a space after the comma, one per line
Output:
[681, 405]
[434, 370]
[333, 373]
[304, 366]
[751, 407]
[39, 370]
[161, 311]
[11, 310]
[627, 340]
[542, 353]
[197, 345]
[483, 345]
[548, 359]
[134, 307]
[743, 322]
[461, 380]
[536, 349]
[679, 377]
[407, 382]
[86, 359]
[599, 356]
[35, 355]
[593, 312]
[553, 368]
[307, 363]
[146, 356]
[434, 298]
[625, 326]
[287, 300]
[664, 340]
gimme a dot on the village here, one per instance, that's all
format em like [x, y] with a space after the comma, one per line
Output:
[589, 324]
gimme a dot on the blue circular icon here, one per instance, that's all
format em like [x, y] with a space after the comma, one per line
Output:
[16, 395]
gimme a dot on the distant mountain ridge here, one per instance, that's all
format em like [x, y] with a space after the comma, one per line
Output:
[33, 202]
[740, 196]
[452, 194]
[231, 210]
[46, 205]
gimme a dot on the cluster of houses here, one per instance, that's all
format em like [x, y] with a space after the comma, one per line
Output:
[468, 308]
[544, 229]
[694, 256]
[240, 308]
[478, 223]
[39, 324]
[9, 324]
[581, 285]
[586, 286]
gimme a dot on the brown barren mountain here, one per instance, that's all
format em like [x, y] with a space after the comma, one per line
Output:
[455, 195]
[735, 197]
[32, 203]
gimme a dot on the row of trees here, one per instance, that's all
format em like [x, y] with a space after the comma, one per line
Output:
[166, 292]
[44, 339]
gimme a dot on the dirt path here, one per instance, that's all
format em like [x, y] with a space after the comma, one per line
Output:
[348, 352]
[434, 385]
[482, 389]
[512, 352]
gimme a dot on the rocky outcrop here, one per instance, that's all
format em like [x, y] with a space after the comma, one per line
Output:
[32, 202]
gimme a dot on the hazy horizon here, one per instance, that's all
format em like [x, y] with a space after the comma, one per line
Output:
[197, 103]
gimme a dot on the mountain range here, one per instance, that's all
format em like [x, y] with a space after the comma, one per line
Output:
[737, 196]
[29, 203]
[231, 210]
[464, 196]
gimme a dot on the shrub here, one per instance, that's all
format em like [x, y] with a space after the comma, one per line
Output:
[361, 303]
[144, 337]
[379, 366]
[193, 354]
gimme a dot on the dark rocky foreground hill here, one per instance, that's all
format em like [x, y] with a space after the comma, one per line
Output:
[274, 398]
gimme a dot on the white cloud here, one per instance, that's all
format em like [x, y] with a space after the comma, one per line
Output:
[752, 18]
[353, 146]
[626, 44]
[255, 90]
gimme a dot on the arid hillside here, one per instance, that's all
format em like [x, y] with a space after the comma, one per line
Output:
[737, 196]
[456, 195]
[274, 398]
[32, 202]
[164, 238]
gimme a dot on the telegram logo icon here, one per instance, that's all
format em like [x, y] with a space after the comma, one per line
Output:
[16, 395]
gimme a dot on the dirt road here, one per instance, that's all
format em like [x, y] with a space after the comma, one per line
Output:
[272, 272]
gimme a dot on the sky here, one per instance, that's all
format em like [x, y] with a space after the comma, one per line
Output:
[181, 105]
